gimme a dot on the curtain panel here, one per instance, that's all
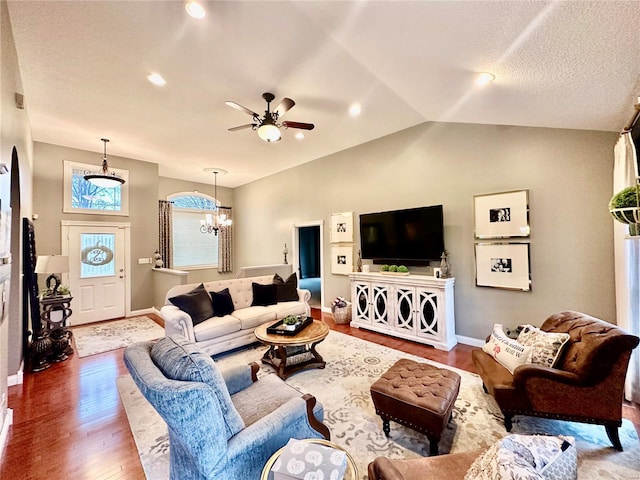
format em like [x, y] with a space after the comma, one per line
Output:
[627, 263]
[165, 221]
[225, 244]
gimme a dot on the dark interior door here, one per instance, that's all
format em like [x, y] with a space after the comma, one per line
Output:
[309, 238]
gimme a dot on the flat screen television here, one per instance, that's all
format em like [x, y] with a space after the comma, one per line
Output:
[412, 236]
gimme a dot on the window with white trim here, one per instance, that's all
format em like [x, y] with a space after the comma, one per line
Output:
[191, 247]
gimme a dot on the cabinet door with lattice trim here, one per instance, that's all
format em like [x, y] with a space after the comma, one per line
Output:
[360, 295]
[428, 314]
[405, 310]
[381, 305]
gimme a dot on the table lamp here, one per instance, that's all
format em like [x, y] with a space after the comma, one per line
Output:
[52, 264]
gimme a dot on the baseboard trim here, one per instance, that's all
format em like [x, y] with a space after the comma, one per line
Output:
[17, 378]
[474, 342]
[155, 310]
[144, 311]
[325, 309]
[4, 433]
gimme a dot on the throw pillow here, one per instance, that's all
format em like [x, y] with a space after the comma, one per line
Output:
[180, 359]
[529, 457]
[263, 295]
[506, 351]
[286, 290]
[197, 303]
[222, 303]
[547, 346]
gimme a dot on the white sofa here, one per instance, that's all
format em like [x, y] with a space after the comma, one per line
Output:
[219, 334]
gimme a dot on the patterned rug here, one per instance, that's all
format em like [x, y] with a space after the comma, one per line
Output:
[107, 336]
[343, 389]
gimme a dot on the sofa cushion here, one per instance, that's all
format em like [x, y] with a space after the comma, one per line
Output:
[263, 295]
[286, 290]
[508, 352]
[526, 457]
[197, 303]
[251, 317]
[289, 308]
[222, 303]
[216, 327]
[547, 346]
[179, 359]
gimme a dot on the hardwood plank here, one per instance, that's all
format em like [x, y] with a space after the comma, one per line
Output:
[69, 421]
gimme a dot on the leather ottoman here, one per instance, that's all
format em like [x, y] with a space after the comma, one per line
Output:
[416, 395]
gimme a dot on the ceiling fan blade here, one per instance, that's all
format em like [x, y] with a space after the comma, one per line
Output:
[241, 108]
[242, 127]
[300, 125]
[284, 106]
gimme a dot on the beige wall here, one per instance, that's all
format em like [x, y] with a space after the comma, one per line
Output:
[15, 131]
[143, 208]
[568, 174]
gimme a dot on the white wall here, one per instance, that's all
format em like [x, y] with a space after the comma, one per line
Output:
[568, 174]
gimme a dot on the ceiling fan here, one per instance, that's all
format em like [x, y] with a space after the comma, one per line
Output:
[268, 127]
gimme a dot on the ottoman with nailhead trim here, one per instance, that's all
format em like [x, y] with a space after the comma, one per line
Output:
[416, 395]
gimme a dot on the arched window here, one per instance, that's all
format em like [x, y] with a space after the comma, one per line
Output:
[191, 247]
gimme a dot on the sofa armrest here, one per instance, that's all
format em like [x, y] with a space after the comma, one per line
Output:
[177, 321]
[530, 372]
[239, 377]
[304, 296]
[383, 469]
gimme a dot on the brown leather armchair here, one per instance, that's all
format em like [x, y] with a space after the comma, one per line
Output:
[452, 466]
[586, 384]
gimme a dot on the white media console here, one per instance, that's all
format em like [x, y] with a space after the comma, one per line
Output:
[415, 307]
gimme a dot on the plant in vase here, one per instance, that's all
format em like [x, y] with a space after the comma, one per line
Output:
[624, 207]
[290, 322]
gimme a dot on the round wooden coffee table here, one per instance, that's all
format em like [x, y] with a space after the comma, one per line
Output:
[351, 473]
[291, 354]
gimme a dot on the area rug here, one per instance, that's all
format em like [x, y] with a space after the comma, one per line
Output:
[343, 389]
[107, 336]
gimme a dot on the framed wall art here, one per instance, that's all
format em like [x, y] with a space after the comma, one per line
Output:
[342, 260]
[503, 265]
[342, 227]
[502, 215]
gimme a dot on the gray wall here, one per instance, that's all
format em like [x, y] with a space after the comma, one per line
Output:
[15, 131]
[568, 174]
[143, 208]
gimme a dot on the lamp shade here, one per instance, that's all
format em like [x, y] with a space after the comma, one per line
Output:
[269, 132]
[52, 264]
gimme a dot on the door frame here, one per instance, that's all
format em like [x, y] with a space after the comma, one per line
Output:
[126, 226]
[295, 263]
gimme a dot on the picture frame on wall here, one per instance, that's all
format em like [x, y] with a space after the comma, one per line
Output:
[501, 215]
[342, 260]
[342, 227]
[503, 265]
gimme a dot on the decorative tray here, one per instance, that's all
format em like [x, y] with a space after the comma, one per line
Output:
[278, 327]
[397, 274]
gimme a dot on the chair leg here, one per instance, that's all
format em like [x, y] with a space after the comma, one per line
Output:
[612, 433]
[508, 423]
[386, 428]
[484, 387]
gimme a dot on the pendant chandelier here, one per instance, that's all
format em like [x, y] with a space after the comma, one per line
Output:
[104, 178]
[213, 221]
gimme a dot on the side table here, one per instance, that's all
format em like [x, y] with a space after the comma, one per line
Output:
[55, 310]
[350, 474]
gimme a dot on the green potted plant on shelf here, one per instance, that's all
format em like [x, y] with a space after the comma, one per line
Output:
[290, 322]
[624, 207]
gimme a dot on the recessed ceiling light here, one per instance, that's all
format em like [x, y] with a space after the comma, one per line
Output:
[156, 79]
[484, 77]
[355, 109]
[195, 10]
[299, 135]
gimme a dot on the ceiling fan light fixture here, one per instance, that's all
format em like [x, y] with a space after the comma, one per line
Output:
[195, 10]
[269, 132]
[104, 178]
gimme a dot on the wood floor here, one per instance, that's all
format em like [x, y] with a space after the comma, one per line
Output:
[68, 421]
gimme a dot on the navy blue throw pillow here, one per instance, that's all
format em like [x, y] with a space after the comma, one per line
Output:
[263, 295]
[222, 303]
[197, 303]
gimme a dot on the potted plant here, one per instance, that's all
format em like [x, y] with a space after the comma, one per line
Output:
[624, 207]
[290, 322]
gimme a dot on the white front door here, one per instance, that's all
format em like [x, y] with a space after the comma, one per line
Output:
[97, 264]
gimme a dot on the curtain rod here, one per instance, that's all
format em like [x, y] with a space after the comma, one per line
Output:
[634, 119]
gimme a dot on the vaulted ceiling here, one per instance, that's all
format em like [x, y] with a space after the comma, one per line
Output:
[84, 65]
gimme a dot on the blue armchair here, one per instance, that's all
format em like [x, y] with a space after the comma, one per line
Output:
[222, 425]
